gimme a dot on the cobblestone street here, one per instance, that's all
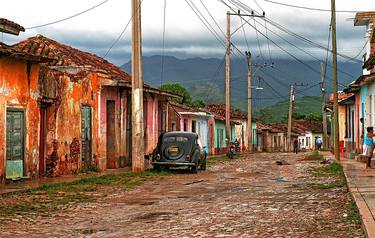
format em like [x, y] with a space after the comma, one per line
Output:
[248, 197]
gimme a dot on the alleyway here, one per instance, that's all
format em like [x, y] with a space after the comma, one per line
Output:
[248, 197]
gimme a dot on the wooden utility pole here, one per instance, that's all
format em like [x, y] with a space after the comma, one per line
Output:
[137, 91]
[227, 84]
[335, 87]
[324, 115]
[289, 135]
[249, 104]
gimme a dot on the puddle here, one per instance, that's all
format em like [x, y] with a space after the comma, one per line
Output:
[279, 179]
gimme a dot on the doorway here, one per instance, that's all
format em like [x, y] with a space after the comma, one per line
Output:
[42, 141]
[111, 135]
[15, 144]
[86, 135]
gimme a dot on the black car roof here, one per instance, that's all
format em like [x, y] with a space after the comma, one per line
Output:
[181, 133]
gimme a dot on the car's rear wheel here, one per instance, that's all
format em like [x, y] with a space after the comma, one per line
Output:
[204, 164]
[194, 168]
[157, 167]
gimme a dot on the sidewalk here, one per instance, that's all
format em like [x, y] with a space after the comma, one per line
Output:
[361, 183]
[23, 185]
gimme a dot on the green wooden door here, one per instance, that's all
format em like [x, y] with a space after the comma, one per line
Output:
[14, 144]
[86, 134]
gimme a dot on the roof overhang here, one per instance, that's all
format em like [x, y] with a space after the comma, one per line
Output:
[363, 18]
[146, 88]
[10, 27]
[201, 114]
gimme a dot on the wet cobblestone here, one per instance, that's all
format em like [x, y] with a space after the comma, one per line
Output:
[248, 197]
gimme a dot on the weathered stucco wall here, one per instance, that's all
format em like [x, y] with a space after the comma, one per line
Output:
[19, 90]
[63, 124]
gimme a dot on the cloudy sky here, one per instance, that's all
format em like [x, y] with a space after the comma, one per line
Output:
[186, 36]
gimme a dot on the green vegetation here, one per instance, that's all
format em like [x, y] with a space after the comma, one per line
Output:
[186, 98]
[49, 197]
[333, 171]
[305, 108]
[315, 155]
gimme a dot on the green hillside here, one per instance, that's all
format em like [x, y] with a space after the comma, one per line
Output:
[278, 112]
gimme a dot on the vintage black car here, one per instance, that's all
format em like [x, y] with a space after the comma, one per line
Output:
[179, 148]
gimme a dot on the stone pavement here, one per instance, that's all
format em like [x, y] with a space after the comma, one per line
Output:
[361, 183]
[248, 197]
[22, 185]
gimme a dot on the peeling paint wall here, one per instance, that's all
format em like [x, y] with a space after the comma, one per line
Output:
[63, 138]
[19, 89]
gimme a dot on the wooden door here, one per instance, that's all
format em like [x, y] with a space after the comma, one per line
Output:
[42, 141]
[111, 135]
[86, 134]
[15, 144]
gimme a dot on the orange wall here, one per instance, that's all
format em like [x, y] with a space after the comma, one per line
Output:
[64, 125]
[18, 90]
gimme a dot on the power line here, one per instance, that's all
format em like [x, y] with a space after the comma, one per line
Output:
[204, 23]
[248, 22]
[300, 37]
[121, 34]
[309, 8]
[162, 57]
[67, 18]
[360, 52]
[209, 13]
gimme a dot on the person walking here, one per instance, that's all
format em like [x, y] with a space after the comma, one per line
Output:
[295, 146]
[368, 146]
[319, 143]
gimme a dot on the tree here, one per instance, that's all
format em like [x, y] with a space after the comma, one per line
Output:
[179, 90]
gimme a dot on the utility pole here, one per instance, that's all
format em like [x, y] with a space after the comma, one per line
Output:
[137, 91]
[289, 135]
[335, 88]
[227, 83]
[249, 104]
[324, 115]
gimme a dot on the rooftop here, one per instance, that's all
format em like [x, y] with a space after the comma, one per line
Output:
[363, 18]
[10, 27]
[65, 55]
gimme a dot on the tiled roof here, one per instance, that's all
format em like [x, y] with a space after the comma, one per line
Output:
[370, 62]
[6, 22]
[362, 18]
[68, 56]
[218, 110]
[313, 126]
[341, 96]
[9, 51]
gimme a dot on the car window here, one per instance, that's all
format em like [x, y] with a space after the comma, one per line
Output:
[176, 139]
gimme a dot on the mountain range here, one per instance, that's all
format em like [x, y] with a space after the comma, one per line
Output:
[205, 78]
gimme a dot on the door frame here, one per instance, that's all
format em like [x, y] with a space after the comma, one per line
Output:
[108, 124]
[23, 110]
[91, 126]
[42, 139]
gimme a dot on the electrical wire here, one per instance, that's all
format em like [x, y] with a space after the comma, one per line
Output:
[310, 8]
[121, 33]
[67, 18]
[212, 17]
[163, 49]
[204, 21]
[248, 22]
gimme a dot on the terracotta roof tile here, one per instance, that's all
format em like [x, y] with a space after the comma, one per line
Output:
[9, 51]
[218, 110]
[68, 56]
[4, 21]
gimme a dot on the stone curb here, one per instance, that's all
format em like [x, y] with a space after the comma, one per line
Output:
[368, 222]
